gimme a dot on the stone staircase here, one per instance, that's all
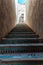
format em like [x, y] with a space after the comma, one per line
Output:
[21, 46]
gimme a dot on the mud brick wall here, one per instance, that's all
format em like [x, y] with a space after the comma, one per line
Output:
[7, 16]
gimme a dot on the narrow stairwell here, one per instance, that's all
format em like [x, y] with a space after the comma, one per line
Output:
[22, 46]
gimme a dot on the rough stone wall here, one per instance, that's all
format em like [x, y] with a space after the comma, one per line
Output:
[7, 16]
[35, 16]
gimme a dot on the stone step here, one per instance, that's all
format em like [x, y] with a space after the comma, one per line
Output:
[21, 45]
[20, 40]
[22, 36]
[22, 32]
[22, 27]
[21, 57]
[22, 62]
[20, 48]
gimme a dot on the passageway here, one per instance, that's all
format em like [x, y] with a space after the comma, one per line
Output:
[21, 44]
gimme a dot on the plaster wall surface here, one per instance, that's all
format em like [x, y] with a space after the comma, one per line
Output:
[7, 16]
[35, 16]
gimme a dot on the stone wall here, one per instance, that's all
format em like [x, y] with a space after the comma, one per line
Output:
[7, 16]
[35, 16]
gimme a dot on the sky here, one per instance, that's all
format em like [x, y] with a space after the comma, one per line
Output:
[21, 1]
